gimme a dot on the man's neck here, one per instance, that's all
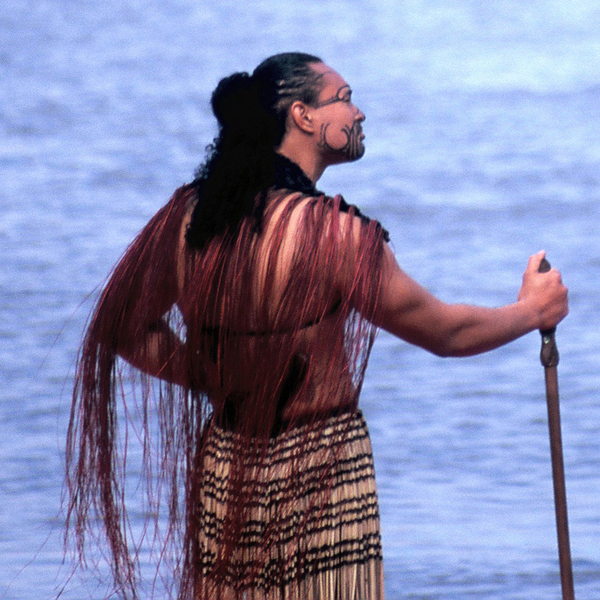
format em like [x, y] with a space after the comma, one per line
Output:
[306, 160]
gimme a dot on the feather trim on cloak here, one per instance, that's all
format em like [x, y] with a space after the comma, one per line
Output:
[238, 331]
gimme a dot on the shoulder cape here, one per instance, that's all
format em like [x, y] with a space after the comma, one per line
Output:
[248, 362]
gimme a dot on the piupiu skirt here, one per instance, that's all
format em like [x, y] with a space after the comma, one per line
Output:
[310, 528]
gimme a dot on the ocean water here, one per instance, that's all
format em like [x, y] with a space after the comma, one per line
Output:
[483, 146]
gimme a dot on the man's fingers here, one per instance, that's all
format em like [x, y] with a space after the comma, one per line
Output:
[535, 261]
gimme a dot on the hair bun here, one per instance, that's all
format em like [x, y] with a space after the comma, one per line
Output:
[234, 99]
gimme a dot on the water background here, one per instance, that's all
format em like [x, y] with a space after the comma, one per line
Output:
[483, 146]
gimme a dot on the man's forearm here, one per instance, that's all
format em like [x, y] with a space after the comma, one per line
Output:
[158, 352]
[474, 329]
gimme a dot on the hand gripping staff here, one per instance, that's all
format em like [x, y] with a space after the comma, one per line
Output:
[549, 358]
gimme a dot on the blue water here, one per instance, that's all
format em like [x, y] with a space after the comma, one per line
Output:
[483, 146]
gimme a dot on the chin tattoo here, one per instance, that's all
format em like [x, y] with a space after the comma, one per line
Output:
[353, 149]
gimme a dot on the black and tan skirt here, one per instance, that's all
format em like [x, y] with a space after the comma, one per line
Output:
[311, 527]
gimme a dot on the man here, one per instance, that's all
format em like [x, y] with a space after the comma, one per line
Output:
[254, 299]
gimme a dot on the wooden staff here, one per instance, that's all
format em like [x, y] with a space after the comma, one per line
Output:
[549, 358]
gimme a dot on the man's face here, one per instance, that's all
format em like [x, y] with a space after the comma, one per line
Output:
[339, 121]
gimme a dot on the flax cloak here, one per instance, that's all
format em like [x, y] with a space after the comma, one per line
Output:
[241, 322]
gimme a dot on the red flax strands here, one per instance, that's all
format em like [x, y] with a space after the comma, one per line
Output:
[240, 360]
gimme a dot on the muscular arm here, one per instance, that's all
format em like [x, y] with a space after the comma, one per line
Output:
[157, 351]
[410, 312]
[146, 341]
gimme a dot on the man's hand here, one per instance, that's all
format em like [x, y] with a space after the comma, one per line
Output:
[544, 292]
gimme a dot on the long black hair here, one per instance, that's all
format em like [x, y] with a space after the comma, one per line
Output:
[251, 111]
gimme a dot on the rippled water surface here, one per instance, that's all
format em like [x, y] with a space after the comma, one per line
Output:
[483, 137]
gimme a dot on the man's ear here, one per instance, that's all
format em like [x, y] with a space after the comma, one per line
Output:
[301, 115]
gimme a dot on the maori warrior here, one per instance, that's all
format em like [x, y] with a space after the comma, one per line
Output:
[232, 339]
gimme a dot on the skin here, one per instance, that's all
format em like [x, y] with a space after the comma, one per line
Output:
[329, 133]
[343, 138]
[318, 137]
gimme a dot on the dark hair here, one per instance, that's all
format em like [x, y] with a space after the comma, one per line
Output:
[251, 111]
